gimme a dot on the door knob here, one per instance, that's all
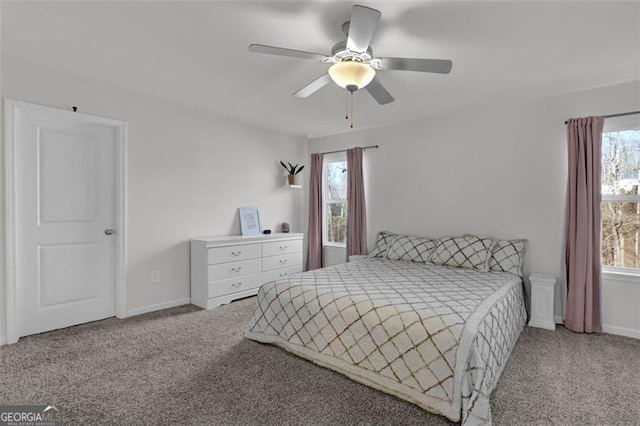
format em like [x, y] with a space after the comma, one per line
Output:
[108, 231]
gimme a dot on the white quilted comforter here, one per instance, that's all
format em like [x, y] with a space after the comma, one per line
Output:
[435, 336]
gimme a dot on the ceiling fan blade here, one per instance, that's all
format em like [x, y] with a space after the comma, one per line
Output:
[314, 86]
[441, 66]
[379, 93]
[362, 27]
[281, 51]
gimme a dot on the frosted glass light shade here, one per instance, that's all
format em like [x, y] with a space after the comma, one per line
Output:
[351, 73]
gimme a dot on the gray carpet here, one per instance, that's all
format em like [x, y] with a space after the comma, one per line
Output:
[188, 366]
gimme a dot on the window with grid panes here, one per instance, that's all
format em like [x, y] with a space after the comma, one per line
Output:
[335, 200]
[620, 198]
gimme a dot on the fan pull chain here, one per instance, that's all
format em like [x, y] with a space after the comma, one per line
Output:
[351, 110]
[346, 107]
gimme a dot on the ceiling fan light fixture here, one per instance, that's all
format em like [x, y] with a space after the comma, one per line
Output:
[348, 74]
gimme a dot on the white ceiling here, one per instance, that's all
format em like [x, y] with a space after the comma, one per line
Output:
[194, 54]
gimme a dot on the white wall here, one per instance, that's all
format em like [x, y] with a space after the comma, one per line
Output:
[621, 305]
[333, 255]
[497, 171]
[188, 173]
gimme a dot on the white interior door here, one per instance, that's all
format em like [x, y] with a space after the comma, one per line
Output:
[64, 211]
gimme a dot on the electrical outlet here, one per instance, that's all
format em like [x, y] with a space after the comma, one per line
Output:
[155, 276]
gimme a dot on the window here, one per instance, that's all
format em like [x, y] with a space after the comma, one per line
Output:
[620, 198]
[335, 200]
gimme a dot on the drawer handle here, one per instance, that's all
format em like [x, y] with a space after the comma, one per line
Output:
[284, 274]
[282, 262]
[236, 253]
[238, 269]
[283, 247]
[234, 285]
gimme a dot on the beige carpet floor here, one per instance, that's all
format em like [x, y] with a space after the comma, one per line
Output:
[188, 366]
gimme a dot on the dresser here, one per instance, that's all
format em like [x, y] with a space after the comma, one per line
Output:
[227, 268]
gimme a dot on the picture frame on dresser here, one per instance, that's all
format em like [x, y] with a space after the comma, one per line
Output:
[249, 220]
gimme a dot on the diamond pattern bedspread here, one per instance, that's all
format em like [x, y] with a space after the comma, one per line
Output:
[432, 335]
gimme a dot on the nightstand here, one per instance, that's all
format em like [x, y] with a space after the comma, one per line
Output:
[542, 301]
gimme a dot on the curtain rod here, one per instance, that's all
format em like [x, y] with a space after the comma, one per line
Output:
[622, 114]
[345, 150]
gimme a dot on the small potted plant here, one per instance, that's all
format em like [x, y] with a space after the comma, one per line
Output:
[293, 172]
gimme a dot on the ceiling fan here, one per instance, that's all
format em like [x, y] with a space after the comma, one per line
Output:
[353, 65]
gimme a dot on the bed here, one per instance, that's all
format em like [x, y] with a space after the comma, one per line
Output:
[436, 336]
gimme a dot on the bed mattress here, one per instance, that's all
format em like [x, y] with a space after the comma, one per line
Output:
[435, 336]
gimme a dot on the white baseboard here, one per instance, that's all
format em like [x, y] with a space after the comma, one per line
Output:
[621, 331]
[139, 311]
[550, 325]
[611, 329]
[158, 307]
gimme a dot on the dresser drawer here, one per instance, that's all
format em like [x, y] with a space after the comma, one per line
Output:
[281, 247]
[279, 274]
[283, 261]
[233, 285]
[234, 253]
[234, 269]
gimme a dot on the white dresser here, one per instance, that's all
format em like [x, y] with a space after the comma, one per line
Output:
[232, 267]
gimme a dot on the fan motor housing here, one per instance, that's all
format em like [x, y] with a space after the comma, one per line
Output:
[340, 51]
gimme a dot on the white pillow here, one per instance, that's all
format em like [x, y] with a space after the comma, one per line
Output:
[414, 249]
[384, 240]
[463, 252]
[508, 256]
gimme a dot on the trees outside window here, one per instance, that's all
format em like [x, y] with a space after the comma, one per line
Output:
[620, 199]
[335, 196]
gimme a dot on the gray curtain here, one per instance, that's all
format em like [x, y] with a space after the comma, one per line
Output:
[357, 211]
[314, 252]
[583, 257]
